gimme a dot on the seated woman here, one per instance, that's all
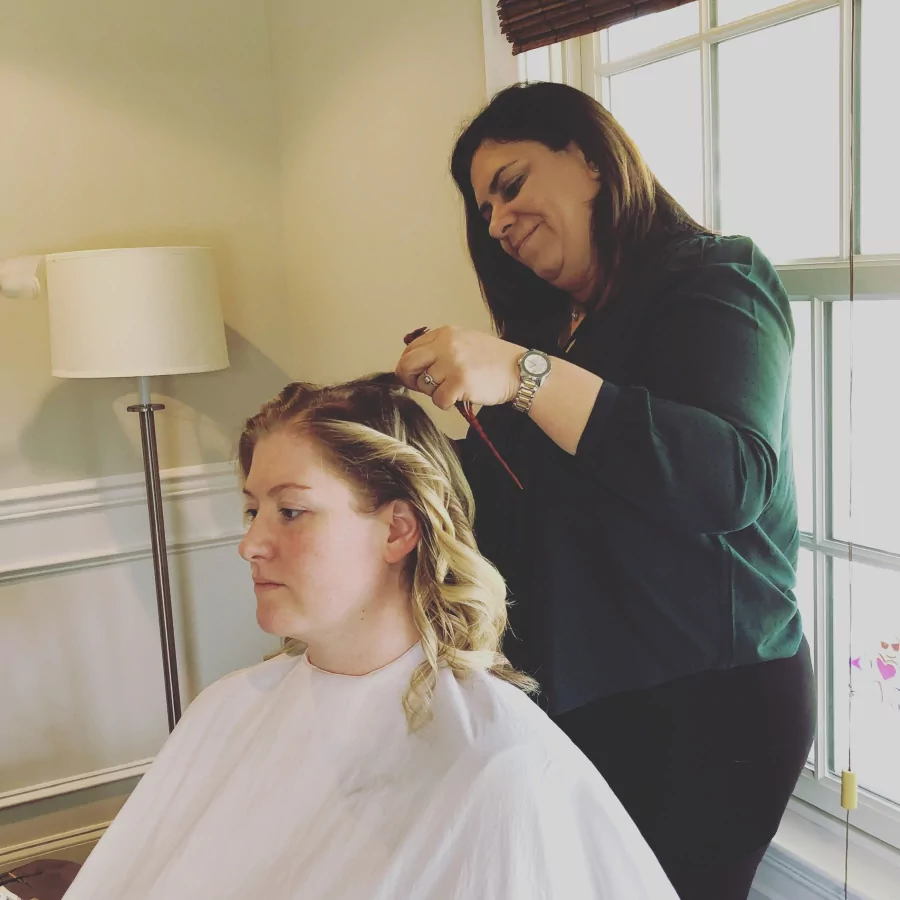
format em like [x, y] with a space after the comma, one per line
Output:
[397, 756]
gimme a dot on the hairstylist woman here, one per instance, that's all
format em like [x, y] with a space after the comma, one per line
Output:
[640, 390]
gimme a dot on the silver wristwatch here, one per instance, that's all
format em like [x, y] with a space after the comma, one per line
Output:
[534, 369]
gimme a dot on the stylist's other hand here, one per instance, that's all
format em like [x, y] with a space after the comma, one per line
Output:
[463, 364]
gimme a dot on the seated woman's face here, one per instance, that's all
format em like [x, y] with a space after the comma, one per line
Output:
[318, 563]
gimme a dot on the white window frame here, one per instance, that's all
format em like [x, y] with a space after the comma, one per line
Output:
[822, 283]
[584, 64]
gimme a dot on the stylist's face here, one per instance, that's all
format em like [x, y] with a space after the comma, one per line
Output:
[537, 202]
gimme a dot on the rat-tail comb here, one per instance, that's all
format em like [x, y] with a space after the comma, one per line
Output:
[465, 409]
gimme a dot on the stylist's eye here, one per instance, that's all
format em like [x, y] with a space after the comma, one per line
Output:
[511, 190]
[249, 515]
[291, 514]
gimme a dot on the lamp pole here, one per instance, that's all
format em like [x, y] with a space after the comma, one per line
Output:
[146, 410]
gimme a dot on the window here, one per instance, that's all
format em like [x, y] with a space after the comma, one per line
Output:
[732, 10]
[779, 136]
[543, 64]
[879, 79]
[656, 102]
[648, 32]
[848, 488]
[757, 92]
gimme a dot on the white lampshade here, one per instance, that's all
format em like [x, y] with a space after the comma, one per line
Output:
[134, 312]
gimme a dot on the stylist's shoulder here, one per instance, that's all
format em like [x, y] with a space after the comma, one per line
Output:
[729, 258]
[728, 270]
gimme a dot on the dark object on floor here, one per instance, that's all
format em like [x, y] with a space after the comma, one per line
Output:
[43, 879]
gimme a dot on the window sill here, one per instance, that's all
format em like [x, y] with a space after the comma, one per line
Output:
[809, 851]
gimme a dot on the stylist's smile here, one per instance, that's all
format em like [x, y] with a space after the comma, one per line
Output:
[517, 248]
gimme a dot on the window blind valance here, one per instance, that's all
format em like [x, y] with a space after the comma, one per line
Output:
[529, 24]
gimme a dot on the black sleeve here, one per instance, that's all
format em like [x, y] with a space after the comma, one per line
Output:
[699, 446]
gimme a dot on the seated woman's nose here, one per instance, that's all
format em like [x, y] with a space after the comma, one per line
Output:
[253, 544]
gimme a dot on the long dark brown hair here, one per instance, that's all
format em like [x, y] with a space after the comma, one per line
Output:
[633, 214]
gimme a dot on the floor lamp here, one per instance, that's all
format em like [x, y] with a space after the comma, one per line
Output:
[138, 313]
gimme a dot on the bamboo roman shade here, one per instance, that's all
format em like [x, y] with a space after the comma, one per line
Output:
[529, 24]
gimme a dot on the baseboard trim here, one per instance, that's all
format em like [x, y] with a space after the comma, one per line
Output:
[20, 854]
[74, 783]
[784, 876]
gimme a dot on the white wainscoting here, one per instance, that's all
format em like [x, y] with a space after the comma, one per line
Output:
[74, 845]
[784, 876]
[81, 689]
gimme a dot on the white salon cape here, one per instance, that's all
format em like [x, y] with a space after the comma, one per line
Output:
[284, 782]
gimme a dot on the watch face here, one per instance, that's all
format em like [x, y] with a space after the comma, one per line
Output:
[535, 364]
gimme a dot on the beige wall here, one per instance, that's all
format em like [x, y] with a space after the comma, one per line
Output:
[316, 160]
[371, 97]
[308, 143]
[128, 124]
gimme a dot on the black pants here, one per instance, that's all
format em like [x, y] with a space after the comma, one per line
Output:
[705, 765]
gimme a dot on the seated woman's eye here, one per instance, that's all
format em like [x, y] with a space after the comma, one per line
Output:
[291, 514]
[249, 515]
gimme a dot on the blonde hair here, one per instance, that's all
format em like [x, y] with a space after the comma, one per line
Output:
[387, 448]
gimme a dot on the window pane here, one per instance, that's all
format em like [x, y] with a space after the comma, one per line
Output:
[779, 155]
[801, 412]
[805, 593]
[870, 660]
[659, 106]
[870, 330]
[653, 30]
[534, 65]
[879, 81]
[730, 10]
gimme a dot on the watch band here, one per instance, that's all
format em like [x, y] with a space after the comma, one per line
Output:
[528, 386]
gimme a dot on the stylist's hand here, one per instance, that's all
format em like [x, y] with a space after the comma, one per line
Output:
[453, 364]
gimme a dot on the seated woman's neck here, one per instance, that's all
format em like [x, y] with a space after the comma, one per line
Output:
[381, 635]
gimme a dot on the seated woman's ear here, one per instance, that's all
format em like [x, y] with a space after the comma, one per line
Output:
[403, 530]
